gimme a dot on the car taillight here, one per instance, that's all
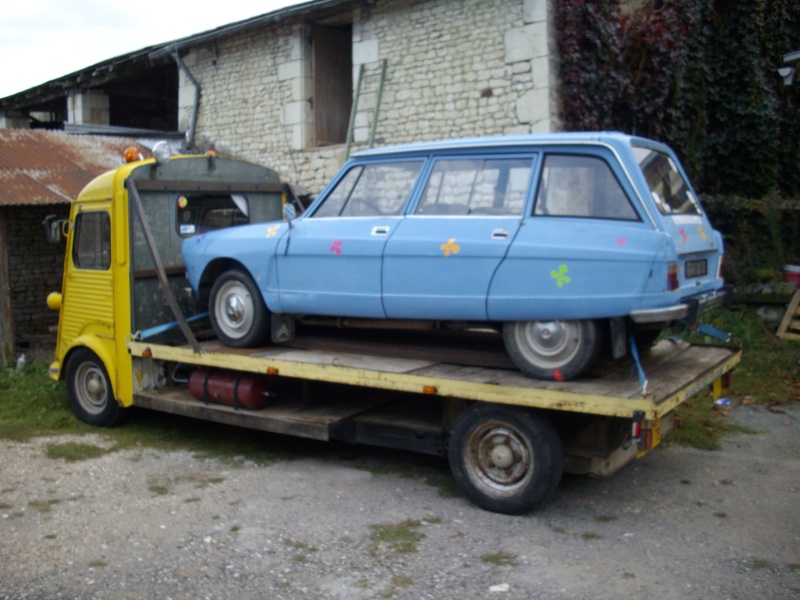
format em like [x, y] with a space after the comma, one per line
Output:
[719, 266]
[672, 277]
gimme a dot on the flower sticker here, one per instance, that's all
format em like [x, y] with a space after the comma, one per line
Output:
[701, 232]
[273, 231]
[561, 276]
[336, 247]
[684, 237]
[450, 247]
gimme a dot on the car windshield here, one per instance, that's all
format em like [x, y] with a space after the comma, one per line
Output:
[670, 191]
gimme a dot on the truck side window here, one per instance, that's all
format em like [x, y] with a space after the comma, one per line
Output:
[91, 248]
[201, 213]
[581, 186]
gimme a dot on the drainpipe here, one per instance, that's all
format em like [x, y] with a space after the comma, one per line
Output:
[196, 106]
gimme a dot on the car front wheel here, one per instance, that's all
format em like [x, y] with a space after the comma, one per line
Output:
[238, 314]
[553, 350]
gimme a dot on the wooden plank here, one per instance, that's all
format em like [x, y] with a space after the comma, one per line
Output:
[790, 324]
[286, 417]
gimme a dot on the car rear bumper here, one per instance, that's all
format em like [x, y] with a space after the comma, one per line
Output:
[687, 310]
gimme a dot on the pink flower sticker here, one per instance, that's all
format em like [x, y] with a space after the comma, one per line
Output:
[336, 247]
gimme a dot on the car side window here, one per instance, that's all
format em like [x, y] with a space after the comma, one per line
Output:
[200, 213]
[476, 186]
[581, 186]
[378, 189]
[91, 248]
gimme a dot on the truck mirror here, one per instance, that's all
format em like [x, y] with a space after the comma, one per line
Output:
[53, 228]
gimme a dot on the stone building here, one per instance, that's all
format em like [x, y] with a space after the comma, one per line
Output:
[279, 89]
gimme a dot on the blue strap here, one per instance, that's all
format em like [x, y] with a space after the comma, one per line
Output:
[642, 377]
[713, 332]
[167, 326]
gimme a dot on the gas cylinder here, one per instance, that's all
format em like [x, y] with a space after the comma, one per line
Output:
[234, 389]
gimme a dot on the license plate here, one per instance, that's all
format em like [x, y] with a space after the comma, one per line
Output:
[696, 268]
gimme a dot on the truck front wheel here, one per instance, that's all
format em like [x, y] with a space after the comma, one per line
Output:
[89, 390]
[505, 459]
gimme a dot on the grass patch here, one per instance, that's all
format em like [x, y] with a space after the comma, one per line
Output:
[759, 564]
[590, 535]
[97, 564]
[402, 538]
[43, 506]
[500, 559]
[605, 518]
[75, 451]
[769, 372]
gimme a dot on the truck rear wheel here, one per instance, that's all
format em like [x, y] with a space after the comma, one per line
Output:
[89, 390]
[238, 314]
[505, 459]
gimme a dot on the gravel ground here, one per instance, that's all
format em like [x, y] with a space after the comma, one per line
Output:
[364, 523]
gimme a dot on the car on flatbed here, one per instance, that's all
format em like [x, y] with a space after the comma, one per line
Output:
[561, 243]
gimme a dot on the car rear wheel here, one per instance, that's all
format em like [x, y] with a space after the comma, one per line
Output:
[555, 350]
[504, 458]
[238, 314]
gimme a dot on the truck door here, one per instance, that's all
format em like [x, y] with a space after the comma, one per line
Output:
[87, 304]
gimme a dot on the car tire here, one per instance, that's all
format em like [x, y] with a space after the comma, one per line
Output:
[552, 350]
[89, 390]
[504, 458]
[237, 311]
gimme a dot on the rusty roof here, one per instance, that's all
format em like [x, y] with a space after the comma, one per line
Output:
[40, 167]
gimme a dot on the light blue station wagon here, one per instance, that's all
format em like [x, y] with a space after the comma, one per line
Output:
[561, 243]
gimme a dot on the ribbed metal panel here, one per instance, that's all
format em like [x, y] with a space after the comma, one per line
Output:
[88, 300]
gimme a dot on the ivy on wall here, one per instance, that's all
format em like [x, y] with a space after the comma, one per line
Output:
[700, 75]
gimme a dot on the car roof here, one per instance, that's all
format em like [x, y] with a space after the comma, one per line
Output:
[613, 138]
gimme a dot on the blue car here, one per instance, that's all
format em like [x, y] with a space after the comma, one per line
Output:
[561, 243]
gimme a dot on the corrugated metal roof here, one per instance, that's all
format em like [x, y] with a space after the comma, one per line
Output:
[51, 167]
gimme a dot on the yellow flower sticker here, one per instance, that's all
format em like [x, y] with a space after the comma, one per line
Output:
[450, 247]
[701, 232]
[273, 231]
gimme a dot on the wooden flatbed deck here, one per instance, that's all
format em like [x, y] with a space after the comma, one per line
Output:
[675, 372]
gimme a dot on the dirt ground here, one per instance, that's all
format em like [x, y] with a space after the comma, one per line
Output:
[357, 523]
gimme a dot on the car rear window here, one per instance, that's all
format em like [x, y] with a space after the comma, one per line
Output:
[670, 191]
[581, 186]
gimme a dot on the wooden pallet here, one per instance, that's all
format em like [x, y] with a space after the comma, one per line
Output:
[790, 325]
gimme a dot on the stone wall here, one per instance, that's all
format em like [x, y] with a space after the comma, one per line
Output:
[35, 269]
[455, 68]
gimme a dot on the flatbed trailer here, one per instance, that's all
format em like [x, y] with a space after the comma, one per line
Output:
[326, 389]
[508, 438]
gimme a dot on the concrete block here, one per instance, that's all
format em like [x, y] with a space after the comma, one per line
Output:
[534, 11]
[365, 52]
[534, 106]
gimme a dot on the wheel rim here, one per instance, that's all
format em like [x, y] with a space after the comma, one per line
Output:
[549, 344]
[234, 309]
[91, 388]
[498, 459]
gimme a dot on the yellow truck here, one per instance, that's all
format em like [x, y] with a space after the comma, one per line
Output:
[130, 334]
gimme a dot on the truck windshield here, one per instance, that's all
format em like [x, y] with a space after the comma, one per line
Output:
[670, 191]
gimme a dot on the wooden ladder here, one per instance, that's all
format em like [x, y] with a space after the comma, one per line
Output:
[790, 325]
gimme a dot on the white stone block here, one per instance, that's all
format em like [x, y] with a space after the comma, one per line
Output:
[534, 106]
[295, 113]
[365, 51]
[534, 11]
[525, 43]
[541, 71]
[290, 70]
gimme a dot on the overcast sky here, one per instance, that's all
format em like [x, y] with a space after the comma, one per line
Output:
[42, 40]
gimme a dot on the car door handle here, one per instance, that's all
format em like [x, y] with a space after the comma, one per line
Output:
[499, 234]
[380, 231]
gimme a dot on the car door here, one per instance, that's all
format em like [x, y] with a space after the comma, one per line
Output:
[440, 260]
[586, 251]
[330, 263]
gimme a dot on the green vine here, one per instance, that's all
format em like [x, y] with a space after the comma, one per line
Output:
[699, 75]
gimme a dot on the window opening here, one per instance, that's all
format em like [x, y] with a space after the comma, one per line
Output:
[91, 248]
[332, 68]
[581, 186]
[670, 191]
